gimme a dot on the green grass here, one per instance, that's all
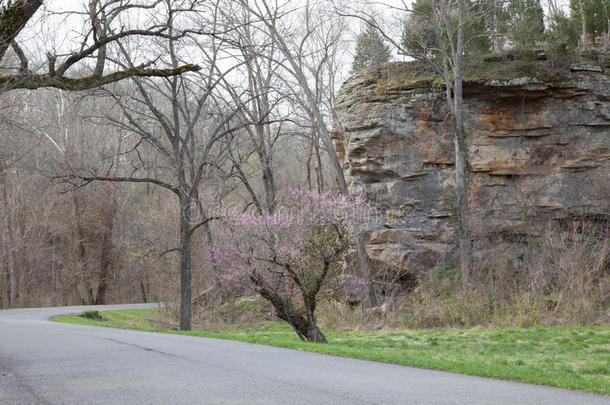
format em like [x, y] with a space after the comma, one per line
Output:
[570, 357]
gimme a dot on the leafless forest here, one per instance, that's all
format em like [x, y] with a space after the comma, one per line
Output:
[108, 192]
[130, 131]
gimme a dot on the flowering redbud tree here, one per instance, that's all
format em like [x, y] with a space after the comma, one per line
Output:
[290, 256]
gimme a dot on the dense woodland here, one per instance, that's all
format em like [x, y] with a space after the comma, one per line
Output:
[180, 151]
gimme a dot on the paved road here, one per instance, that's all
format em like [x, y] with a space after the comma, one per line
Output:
[43, 362]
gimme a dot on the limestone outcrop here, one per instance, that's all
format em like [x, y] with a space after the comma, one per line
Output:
[539, 150]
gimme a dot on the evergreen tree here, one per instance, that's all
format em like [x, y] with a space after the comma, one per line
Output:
[525, 23]
[420, 31]
[561, 34]
[371, 50]
[596, 16]
[419, 34]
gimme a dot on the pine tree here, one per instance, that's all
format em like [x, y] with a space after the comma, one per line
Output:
[482, 17]
[525, 23]
[371, 50]
[596, 16]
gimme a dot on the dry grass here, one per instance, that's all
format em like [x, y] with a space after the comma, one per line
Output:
[560, 278]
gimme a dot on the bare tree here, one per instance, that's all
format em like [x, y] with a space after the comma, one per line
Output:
[321, 52]
[10, 244]
[104, 25]
[265, 13]
[61, 136]
[455, 57]
[180, 120]
[269, 15]
[257, 99]
[438, 39]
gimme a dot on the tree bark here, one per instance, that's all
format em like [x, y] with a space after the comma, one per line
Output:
[82, 252]
[461, 153]
[365, 264]
[106, 253]
[583, 23]
[4, 282]
[13, 17]
[314, 334]
[207, 231]
[143, 291]
[304, 325]
[13, 285]
[185, 263]
[308, 165]
[268, 179]
[319, 167]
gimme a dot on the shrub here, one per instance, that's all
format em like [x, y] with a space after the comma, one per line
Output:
[94, 315]
[563, 278]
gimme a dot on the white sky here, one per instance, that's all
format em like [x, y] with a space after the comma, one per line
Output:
[54, 35]
[59, 33]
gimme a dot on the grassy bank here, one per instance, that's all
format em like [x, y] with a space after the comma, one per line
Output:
[570, 357]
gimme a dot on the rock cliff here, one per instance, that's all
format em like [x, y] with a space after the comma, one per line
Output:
[539, 150]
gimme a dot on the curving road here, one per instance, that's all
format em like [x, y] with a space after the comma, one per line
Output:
[43, 362]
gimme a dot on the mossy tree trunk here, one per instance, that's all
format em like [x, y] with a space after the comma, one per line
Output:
[13, 17]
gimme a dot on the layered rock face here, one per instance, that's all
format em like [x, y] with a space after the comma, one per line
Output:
[538, 151]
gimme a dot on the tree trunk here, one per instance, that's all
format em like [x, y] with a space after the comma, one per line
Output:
[583, 26]
[304, 326]
[308, 165]
[4, 282]
[105, 255]
[14, 16]
[314, 334]
[319, 167]
[185, 263]
[465, 238]
[307, 329]
[365, 264]
[269, 184]
[461, 153]
[90, 296]
[143, 291]
[214, 266]
[495, 40]
[82, 253]
[11, 246]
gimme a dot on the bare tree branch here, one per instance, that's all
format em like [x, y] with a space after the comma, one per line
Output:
[33, 82]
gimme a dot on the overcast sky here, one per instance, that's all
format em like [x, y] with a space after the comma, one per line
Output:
[57, 34]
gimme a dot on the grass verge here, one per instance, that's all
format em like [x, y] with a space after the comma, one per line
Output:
[572, 357]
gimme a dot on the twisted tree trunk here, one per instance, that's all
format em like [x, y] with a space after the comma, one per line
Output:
[303, 322]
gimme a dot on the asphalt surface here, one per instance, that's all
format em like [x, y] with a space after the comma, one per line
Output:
[43, 362]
